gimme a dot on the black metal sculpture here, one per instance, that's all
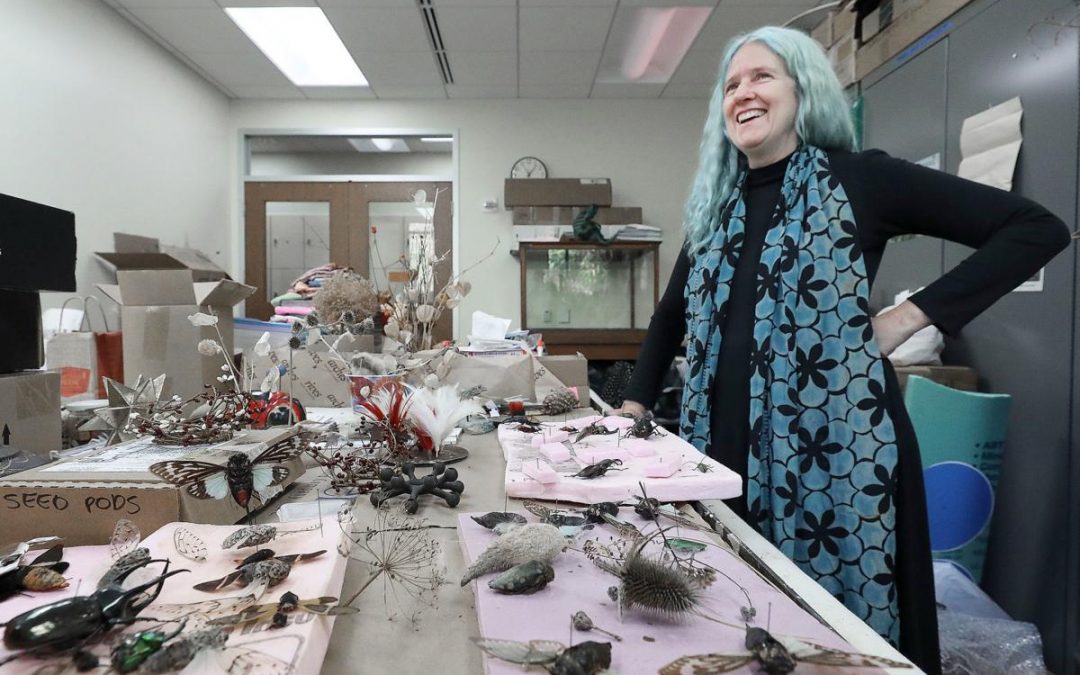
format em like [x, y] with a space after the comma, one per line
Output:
[441, 482]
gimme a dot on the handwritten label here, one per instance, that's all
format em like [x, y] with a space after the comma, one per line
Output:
[48, 501]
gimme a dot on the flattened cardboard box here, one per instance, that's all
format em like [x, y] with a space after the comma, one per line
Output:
[30, 412]
[556, 192]
[315, 378]
[572, 370]
[81, 499]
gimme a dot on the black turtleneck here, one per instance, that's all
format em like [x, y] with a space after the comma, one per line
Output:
[1014, 237]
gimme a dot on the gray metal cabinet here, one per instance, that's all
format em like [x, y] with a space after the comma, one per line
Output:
[1025, 344]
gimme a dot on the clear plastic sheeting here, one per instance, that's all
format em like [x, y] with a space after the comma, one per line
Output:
[977, 637]
[978, 646]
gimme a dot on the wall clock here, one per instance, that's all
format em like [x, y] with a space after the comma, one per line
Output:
[528, 167]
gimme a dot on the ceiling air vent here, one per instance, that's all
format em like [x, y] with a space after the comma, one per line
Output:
[427, 10]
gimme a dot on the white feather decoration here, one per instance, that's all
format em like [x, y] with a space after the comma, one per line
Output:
[437, 411]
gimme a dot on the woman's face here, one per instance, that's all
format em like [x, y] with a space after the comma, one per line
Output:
[760, 105]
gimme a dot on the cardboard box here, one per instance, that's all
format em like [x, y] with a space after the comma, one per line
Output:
[557, 192]
[918, 18]
[202, 268]
[315, 378]
[156, 294]
[823, 31]
[957, 377]
[30, 413]
[565, 215]
[37, 246]
[20, 323]
[572, 370]
[81, 499]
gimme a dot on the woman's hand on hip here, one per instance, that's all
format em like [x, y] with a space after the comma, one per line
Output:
[894, 327]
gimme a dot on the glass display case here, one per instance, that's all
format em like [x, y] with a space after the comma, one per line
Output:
[592, 298]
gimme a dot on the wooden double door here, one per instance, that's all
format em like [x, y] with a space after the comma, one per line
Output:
[292, 227]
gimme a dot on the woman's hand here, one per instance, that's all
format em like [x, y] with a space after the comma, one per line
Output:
[895, 326]
[630, 409]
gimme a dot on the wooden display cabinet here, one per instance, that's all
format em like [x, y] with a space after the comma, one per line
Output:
[596, 299]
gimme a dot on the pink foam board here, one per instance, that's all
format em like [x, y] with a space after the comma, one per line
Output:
[640, 448]
[647, 644]
[556, 452]
[302, 643]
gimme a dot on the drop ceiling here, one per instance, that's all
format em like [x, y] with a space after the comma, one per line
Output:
[493, 48]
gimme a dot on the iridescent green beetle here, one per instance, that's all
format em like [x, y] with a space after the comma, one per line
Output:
[130, 652]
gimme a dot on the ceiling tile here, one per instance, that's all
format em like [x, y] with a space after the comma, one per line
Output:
[381, 28]
[398, 68]
[729, 20]
[361, 4]
[338, 92]
[264, 3]
[675, 90]
[699, 66]
[409, 91]
[239, 69]
[542, 68]
[668, 3]
[176, 4]
[477, 68]
[564, 28]
[481, 91]
[266, 92]
[196, 30]
[626, 90]
[478, 29]
[567, 3]
[554, 91]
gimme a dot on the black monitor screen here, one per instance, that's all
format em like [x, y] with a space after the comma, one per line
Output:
[37, 246]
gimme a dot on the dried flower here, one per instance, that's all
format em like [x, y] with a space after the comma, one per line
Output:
[201, 319]
[425, 313]
[348, 316]
[294, 342]
[209, 348]
[312, 319]
[262, 347]
[297, 327]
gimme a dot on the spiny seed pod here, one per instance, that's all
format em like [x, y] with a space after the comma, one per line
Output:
[559, 402]
[294, 342]
[656, 588]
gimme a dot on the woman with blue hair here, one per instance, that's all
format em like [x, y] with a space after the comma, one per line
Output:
[787, 383]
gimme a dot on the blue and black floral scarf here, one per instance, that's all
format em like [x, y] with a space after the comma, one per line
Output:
[822, 464]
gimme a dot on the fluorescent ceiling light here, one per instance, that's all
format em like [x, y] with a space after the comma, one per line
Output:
[301, 42]
[647, 44]
[366, 144]
[437, 139]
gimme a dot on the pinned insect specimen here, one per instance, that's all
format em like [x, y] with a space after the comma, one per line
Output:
[45, 573]
[132, 650]
[492, 519]
[531, 653]
[552, 517]
[125, 550]
[70, 623]
[189, 544]
[581, 621]
[277, 613]
[259, 574]
[594, 513]
[644, 427]
[242, 477]
[442, 482]
[599, 469]
[594, 429]
[585, 658]
[776, 657]
[534, 541]
[180, 653]
[257, 535]
[528, 577]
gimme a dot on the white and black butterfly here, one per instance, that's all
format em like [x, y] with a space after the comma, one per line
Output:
[776, 657]
[240, 477]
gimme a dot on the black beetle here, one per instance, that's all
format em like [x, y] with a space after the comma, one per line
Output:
[64, 624]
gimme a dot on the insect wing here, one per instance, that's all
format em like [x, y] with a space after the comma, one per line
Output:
[524, 653]
[249, 615]
[244, 661]
[202, 480]
[52, 555]
[538, 510]
[189, 545]
[809, 652]
[280, 452]
[326, 607]
[218, 584]
[706, 664]
[267, 476]
[125, 538]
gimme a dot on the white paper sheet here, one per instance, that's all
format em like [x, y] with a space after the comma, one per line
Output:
[135, 456]
[990, 144]
[488, 327]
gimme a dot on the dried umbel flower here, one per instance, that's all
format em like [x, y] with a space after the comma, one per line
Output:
[294, 342]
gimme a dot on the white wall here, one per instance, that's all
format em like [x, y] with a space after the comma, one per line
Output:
[99, 120]
[647, 147]
[351, 163]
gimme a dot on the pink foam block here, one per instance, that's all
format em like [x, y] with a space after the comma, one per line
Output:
[540, 472]
[617, 422]
[556, 452]
[549, 436]
[664, 467]
[640, 448]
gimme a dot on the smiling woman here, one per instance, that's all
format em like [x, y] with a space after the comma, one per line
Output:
[788, 383]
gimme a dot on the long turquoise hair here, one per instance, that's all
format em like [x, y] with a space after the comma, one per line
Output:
[823, 120]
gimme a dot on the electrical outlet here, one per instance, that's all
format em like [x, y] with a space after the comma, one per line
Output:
[564, 316]
[547, 316]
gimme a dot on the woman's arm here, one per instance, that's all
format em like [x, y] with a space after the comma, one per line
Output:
[666, 331]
